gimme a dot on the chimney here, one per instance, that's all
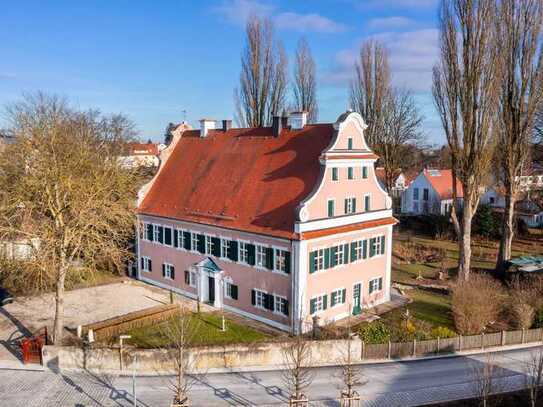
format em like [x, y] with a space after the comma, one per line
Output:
[277, 125]
[205, 126]
[226, 125]
[298, 120]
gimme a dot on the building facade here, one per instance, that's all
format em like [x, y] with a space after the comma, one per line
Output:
[287, 225]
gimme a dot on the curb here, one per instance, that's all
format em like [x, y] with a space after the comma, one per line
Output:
[31, 367]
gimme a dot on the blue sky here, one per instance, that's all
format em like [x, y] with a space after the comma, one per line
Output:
[153, 59]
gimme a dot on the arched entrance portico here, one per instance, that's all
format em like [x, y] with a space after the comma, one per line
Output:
[210, 285]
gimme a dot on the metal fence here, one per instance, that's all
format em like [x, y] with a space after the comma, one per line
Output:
[438, 346]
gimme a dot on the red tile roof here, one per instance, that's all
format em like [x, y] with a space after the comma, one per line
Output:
[243, 179]
[142, 149]
[441, 181]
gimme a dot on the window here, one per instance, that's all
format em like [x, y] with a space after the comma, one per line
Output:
[180, 239]
[146, 264]
[350, 205]
[350, 143]
[376, 285]
[415, 194]
[331, 204]
[335, 175]
[280, 305]
[260, 256]
[492, 200]
[226, 249]
[337, 297]
[367, 203]
[280, 259]
[231, 290]
[260, 299]
[340, 254]
[318, 304]
[364, 172]
[149, 232]
[209, 245]
[194, 241]
[243, 252]
[316, 260]
[358, 249]
[425, 194]
[168, 240]
[377, 246]
[350, 173]
[156, 234]
[168, 271]
[190, 278]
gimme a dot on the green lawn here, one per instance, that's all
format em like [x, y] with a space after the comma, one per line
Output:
[432, 307]
[206, 330]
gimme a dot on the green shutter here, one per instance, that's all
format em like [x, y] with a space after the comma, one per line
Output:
[312, 261]
[234, 292]
[216, 246]
[383, 244]
[287, 262]
[269, 258]
[354, 205]
[343, 295]
[233, 255]
[330, 209]
[350, 143]
[333, 299]
[324, 301]
[168, 236]
[150, 232]
[187, 277]
[372, 247]
[364, 172]
[365, 249]
[175, 238]
[327, 258]
[161, 234]
[253, 297]
[312, 304]
[202, 244]
[346, 204]
[251, 254]
[380, 283]
[346, 253]
[333, 256]
[186, 240]
[354, 245]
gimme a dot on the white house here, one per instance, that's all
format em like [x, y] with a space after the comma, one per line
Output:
[530, 212]
[401, 181]
[430, 193]
[493, 197]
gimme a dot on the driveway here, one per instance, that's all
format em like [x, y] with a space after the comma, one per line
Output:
[28, 314]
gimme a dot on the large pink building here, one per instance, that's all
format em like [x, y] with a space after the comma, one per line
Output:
[281, 224]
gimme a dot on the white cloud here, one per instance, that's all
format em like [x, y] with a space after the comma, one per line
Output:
[389, 23]
[412, 57]
[307, 22]
[237, 11]
[387, 4]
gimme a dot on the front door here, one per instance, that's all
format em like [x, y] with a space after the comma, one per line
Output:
[211, 281]
[357, 293]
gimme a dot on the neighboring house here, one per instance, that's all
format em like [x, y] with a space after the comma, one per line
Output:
[141, 155]
[286, 225]
[531, 178]
[530, 212]
[430, 193]
[401, 181]
[494, 197]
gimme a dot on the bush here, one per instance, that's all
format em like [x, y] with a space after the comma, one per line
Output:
[442, 332]
[484, 222]
[538, 319]
[476, 303]
[375, 332]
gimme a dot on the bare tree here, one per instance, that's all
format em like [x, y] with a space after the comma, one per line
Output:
[298, 373]
[263, 78]
[351, 372]
[533, 376]
[465, 88]
[61, 187]
[486, 382]
[370, 91]
[179, 333]
[518, 27]
[402, 126]
[305, 81]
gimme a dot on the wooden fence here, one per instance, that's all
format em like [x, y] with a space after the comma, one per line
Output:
[433, 347]
[116, 326]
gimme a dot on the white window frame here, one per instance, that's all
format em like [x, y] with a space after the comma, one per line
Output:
[340, 254]
[144, 234]
[226, 247]
[146, 262]
[350, 205]
[319, 260]
[243, 252]
[156, 234]
[194, 242]
[338, 292]
[180, 239]
[260, 256]
[168, 271]
[359, 250]
[319, 304]
[371, 283]
[228, 289]
[209, 245]
[259, 298]
[192, 279]
[280, 260]
[278, 299]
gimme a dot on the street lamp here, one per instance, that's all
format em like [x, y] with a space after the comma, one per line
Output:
[121, 338]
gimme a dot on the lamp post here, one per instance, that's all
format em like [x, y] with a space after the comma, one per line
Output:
[121, 338]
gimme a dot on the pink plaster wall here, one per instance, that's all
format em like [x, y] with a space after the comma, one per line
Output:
[244, 276]
[345, 276]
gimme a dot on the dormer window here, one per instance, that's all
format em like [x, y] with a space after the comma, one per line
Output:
[349, 143]
[335, 174]
[331, 208]
[350, 205]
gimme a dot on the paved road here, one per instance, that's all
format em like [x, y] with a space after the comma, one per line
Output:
[388, 385]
